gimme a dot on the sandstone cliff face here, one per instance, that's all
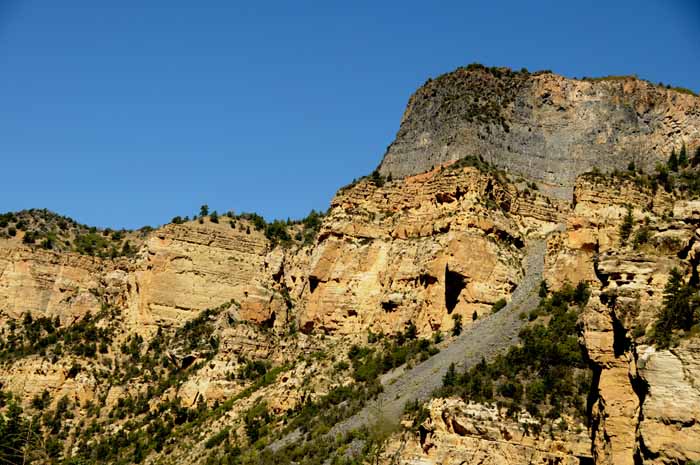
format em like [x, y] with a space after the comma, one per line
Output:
[447, 242]
[457, 433]
[187, 268]
[542, 126]
[180, 271]
[668, 428]
[50, 284]
[633, 418]
[423, 248]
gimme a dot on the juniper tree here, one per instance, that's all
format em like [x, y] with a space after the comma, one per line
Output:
[626, 226]
[457, 327]
[673, 161]
[683, 157]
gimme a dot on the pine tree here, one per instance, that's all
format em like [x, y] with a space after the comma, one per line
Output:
[680, 310]
[696, 158]
[450, 377]
[683, 157]
[204, 210]
[626, 226]
[457, 327]
[673, 161]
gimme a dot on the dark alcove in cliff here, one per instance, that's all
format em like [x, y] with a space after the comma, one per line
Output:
[313, 282]
[454, 283]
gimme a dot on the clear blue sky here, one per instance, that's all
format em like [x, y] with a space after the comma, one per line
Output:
[120, 114]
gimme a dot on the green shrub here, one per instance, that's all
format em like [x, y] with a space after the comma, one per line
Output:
[681, 308]
[377, 178]
[277, 232]
[256, 419]
[456, 324]
[217, 439]
[641, 236]
[498, 305]
[672, 162]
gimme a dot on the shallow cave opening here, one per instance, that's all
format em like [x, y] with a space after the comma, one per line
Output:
[621, 343]
[307, 327]
[270, 322]
[277, 277]
[187, 361]
[454, 283]
[313, 282]
[509, 239]
[426, 280]
[389, 306]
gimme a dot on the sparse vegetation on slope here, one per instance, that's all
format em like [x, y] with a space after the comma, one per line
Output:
[47, 230]
[680, 314]
[546, 374]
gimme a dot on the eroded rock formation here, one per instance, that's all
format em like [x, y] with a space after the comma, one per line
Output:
[542, 126]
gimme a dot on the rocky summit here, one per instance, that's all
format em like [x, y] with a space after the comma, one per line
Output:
[516, 283]
[540, 125]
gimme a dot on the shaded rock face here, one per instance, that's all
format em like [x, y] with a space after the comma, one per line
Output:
[542, 126]
[460, 433]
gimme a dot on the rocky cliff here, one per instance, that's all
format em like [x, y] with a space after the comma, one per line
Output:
[223, 340]
[541, 126]
[633, 420]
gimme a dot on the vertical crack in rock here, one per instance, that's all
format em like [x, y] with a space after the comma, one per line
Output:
[641, 389]
[594, 418]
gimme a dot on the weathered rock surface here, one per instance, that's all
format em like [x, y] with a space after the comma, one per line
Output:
[187, 268]
[634, 419]
[669, 430]
[447, 242]
[542, 126]
[459, 433]
[49, 284]
[420, 249]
